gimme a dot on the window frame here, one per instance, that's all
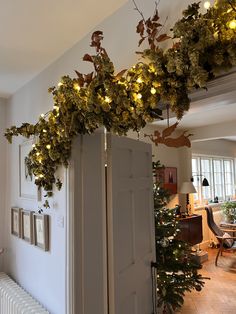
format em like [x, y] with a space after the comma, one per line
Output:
[199, 197]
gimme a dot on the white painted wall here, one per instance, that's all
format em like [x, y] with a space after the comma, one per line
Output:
[44, 274]
[2, 172]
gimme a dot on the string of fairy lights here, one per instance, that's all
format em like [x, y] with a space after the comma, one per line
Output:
[202, 45]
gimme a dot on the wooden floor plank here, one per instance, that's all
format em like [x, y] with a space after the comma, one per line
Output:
[219, 294]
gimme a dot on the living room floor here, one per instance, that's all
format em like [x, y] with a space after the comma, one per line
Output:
[219, 293]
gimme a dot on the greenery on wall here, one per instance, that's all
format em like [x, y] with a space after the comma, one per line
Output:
[203, 44]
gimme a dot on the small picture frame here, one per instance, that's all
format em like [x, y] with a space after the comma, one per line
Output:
[27, 187]
[167, 177]
[16, 221]
[41, 231]
[27, 226]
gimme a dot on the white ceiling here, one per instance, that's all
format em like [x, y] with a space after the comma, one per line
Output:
[34, 33]
[201, 113]
[216, 105]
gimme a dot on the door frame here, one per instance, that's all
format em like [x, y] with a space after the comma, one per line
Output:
[76, 230]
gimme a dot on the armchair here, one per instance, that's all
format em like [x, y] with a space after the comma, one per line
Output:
[226, 242]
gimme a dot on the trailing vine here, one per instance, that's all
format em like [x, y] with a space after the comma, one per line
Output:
[204, 44]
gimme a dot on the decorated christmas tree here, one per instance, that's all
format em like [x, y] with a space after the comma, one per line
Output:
[176, 272]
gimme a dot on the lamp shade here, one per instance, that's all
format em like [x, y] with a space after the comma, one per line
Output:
[205, 182]
[187, 188]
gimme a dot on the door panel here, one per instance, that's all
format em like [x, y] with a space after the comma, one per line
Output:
[131, 240]
[88, 251]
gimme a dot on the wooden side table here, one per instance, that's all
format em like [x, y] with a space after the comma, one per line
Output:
[190, 229]
[191, 232]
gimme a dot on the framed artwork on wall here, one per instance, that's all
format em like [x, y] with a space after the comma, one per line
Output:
[41, 231]
[27, 226]
[27, 188]
[167, 177]
[16, 221]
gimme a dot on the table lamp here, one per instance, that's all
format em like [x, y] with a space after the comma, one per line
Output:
[187, 188]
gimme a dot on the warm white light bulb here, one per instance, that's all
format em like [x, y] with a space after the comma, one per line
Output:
[77, 87]
[59, 84]
[107, 99]
[207, 5]
[44, 131]
[48, 146]
[42, 115]
[232, 24]
[139, 96]
[139, 80]
[153, 91]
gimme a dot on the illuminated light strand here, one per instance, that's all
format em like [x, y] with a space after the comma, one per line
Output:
[139, 80]
[76, 87]
[153, 91]
[232, 24]
[139, 96]
[108, 99]
[207, 5]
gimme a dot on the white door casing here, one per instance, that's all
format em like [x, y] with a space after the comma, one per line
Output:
[87, 259]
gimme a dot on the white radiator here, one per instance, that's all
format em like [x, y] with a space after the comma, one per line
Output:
[15, 300]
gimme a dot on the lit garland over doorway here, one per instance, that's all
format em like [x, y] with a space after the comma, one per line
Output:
[203, 44]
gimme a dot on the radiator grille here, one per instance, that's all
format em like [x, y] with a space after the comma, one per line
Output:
[15, 300]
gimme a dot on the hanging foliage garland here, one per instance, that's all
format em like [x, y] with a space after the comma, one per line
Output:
[205, 44]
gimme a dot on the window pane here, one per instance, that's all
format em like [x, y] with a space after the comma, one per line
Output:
[205, 165]
[227, 165]
[206, 173]
[218, 190]
[228, 191]
[218, 178]
[195, 182]
[220, 175]
[228, 178]
[206, 192]
[217, 165]
[194, 165]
